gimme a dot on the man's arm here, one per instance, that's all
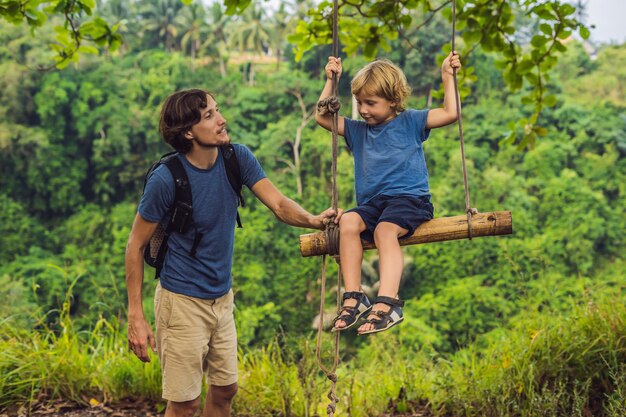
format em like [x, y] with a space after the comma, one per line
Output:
[446, 115]
[326, 120]
[287, 210]
[139, 331]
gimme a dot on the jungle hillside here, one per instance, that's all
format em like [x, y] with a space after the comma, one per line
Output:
[530, 324]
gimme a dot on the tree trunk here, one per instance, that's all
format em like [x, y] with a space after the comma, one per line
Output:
[493, 223]
[222, 67]
[251, 75]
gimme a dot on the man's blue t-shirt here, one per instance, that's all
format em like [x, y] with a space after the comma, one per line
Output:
[208, 275]
[389, 158]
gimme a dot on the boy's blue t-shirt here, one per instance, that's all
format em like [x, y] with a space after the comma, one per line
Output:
[389, 158]
[208, 275]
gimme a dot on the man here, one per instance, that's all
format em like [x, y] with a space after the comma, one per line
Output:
[195, 330]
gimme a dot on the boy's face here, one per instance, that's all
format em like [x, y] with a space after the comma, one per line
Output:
[211, 129]
[375, 109]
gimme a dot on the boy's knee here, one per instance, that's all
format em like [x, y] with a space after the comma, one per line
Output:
[223, 394]
[387, 230]
[350, 223]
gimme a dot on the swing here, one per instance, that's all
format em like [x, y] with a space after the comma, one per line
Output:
[324, 243]
[437, 230]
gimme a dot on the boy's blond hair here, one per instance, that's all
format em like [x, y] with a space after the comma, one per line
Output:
[384, 79]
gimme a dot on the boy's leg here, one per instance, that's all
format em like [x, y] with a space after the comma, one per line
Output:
[351, 226]
[390, 262]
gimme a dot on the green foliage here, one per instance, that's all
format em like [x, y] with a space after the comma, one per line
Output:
[73, 36]
[75, 147]
[71, 365]
[18, 230]
[368, 26]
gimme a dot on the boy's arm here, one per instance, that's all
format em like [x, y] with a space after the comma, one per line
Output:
[287, 210]
[326, 120]
[447, 114]
[139, 332]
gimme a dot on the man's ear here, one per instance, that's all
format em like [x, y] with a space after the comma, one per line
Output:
[188, 134]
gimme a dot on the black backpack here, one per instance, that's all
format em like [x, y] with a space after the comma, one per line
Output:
[181, 212]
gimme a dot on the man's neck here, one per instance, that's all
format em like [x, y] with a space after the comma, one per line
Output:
[202, 157]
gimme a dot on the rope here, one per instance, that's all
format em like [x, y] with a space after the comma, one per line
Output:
[331, 105]
[468, 209]
[330, 373]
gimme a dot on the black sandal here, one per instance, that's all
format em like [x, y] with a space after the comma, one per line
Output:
[385, 319]
[351, 314]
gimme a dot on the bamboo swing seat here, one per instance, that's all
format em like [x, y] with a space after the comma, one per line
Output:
[442, 229]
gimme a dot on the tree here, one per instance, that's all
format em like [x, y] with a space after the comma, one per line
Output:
[159, 20]
[216, 41]
[75, 35]
[251, 33]
[369, 25]
[192, 20]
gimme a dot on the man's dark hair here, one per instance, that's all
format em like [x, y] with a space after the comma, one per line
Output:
[179, 113]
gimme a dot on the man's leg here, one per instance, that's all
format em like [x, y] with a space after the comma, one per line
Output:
[182, 409]
[351, 252]
[218, 400]
[222, 361]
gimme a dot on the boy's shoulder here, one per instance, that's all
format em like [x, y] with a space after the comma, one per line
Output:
[415, 114]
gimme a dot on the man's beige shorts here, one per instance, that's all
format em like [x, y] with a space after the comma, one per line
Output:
[194, 337]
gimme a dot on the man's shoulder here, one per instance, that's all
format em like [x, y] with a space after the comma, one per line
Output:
[243, 153]
[161, 174]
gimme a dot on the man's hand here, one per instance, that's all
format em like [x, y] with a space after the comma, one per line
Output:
[321, 220]
[139, 337]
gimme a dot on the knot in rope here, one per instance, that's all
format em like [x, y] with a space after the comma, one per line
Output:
[332, 238]
[470, 212]
[329, 105]
[332, 406]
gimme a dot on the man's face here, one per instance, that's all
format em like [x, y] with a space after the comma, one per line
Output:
[375, 109]
[211, 129]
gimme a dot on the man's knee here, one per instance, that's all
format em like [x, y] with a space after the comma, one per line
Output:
[182, 409]
[223, 394]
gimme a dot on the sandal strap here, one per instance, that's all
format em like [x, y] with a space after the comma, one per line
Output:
[380, 316]
[393, 302]
[347, 314]
[353, 294]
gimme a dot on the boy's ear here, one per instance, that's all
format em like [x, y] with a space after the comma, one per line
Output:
[188, 134]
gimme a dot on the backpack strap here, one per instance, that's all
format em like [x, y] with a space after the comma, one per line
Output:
[182, 211]
[182, 208]
[233, 172]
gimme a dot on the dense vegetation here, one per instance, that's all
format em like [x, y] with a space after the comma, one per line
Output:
[525, 325]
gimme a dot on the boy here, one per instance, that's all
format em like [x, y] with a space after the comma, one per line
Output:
[195, 330]
[391, 182]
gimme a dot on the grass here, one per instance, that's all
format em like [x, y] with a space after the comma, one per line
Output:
[546, 364]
